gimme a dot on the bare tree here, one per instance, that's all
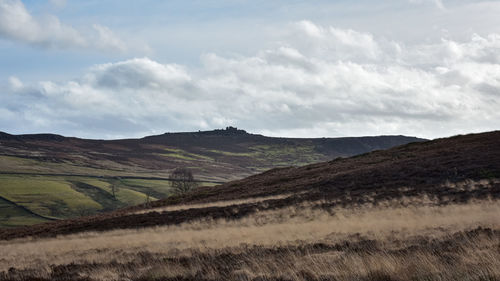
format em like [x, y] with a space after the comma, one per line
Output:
[182, 180]
[148, 201]
[113, 190]
[114, 186]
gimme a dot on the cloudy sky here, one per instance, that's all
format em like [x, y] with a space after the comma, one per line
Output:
[112, 69]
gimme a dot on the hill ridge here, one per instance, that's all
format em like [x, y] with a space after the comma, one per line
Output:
[46, 172]
[446, 171]
[216, 155]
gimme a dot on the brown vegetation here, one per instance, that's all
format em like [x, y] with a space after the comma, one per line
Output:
[386, 242]
[426, 211]
[453, 170]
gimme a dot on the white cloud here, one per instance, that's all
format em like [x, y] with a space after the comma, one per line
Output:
[336, 43]
[15, 84]
[322, 81]
[16, 23]
[106, 39]
[137, 74]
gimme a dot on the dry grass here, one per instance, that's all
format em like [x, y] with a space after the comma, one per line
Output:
[223, 203]
[159, 251]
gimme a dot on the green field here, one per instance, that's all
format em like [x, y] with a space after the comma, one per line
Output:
[30, 199]
[11, 164]
[47, 196]
[184, 155]
[278, 155]
[287, 155]
[37, 196]
[11, 215]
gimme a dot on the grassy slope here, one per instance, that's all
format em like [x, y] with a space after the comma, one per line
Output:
[47, 196]
[76, 176]
[422, 165]
[68, 196]
[14, 216]
[15, 164]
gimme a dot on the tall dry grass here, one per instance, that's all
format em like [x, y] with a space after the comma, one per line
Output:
[211, 204]
[393, 224]
[473, 260]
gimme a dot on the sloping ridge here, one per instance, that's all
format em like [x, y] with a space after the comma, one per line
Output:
[418, 166]
[28, 137]
[218, 155]
[410, 170]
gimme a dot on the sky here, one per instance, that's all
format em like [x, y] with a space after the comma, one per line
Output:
[120, 69]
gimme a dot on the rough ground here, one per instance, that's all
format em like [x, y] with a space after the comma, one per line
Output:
[450, 170]
[424, 211]
[218, 155]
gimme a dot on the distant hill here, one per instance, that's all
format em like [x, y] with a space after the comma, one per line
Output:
[443, 171]
[217, 155]
[45, 176]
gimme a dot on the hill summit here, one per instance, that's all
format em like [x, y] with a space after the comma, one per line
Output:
[216, 155]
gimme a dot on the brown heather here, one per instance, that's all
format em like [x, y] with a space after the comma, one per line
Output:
[390, 241]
